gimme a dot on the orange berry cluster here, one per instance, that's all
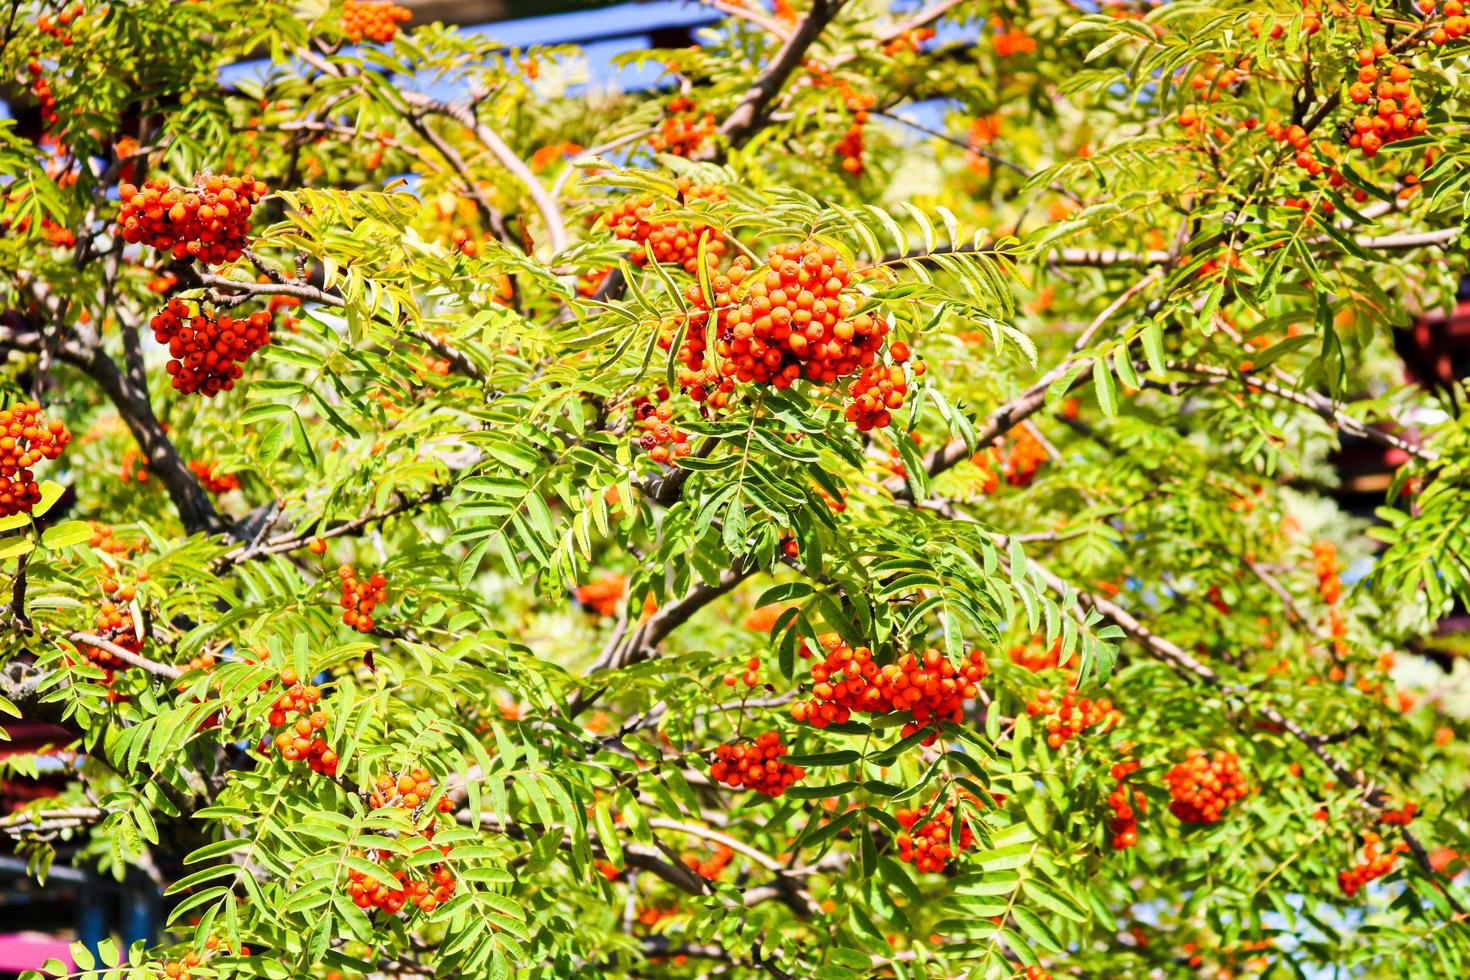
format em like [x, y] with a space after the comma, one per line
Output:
[1018, 460]
[408, 790]
[755, 765]
[105, 541]
[927, 686]
[179, 969]
[711, 866]
[656, 436]
[207, 222]
[1036, 658]
[27, 436]
[850, 146]
[635, 219]
[1203, 786]
[603, 595]
[1396, 113]
[215, 484]
[1324, 564]
[928, 845]
[300, 739]
[683, 130]
[114, 623]
[878, 391]
[1125, 806]
[58, 28]
[1375, 864]
[425, 894]
[206, 351]
[907, 41]
[1033, 973]
[375, 20]
[1070, 716]
[1009, 40]
[1455, 25]
[360, 598]
[792, 318]
[45, 96]
[753, 665]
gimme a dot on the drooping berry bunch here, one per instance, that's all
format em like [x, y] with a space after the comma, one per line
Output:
[375, 20]
[105, 540]
[1395, 112]
[602, 595]
[929, 845]
[1069, 716]
[878, 391]
[755, 765]
[27, 436]
[1401, 817]
[684, 129]
[794, 317]
[420, 887]
[710, 867]
[300, 738]
[927, 686]
[214, 483]
[361, 597]
[636, 219]
[1203, 786]
[1374, 864]
[207, 222]
[1126, 806]
[206, 351]
[655, 435]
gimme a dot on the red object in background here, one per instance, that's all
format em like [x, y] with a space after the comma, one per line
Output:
[1436, 348]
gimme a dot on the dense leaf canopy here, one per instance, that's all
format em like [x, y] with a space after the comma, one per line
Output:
[868, 506]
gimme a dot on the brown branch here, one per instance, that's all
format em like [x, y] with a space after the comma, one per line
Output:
[126, 656]
[747, 116]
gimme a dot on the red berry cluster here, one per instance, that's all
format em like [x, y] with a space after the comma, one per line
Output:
[1401, 817]
[656, 436]
[1374, 864]
[927, 686]
[300, 739]
[27, 436]
[207, 222]
[751, 677]
[755, 765]
[214, 483]
[710, 867]
[206, 351]
[105, 540]
[1018, 460]
[360, 598]
[1203, 786]
[45, 97]
[1126, 806]
[928, 845]
[375, 20]
[879, 391]
[425, 894]
[1033, 973]
[683, 130]
[850, 146]
[636, 219]
[1396, 113]
[1070, 716]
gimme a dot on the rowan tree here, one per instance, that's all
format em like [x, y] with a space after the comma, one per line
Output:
[865, 506]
